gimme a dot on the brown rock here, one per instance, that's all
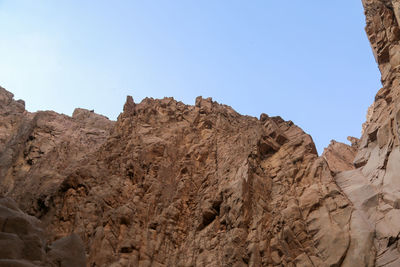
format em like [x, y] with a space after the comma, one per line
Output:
[339, 156]
[23, 242]
[170, 184]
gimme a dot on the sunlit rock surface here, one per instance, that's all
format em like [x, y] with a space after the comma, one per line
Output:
[170, 184]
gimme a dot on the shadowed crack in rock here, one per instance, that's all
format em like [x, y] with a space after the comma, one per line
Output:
[170, 184]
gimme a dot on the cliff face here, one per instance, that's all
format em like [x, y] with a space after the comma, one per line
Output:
[170, 184]
[374, 187]
[176, 185]
[23, 241]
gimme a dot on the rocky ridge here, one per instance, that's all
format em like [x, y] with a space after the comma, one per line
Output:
[176, 185]
[170, 184]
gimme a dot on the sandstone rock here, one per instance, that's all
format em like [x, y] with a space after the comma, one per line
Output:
[176, 185]
[23, 241]
[373, 188]
[339, 156]
[170, 184]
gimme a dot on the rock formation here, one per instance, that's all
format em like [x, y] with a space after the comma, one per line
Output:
[170, 184]
[374, 187]
[23, 242]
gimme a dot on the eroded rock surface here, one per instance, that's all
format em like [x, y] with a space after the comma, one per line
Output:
[170, 184]
[374, 186]
[175, 185]
[339, 156]
[38, 148]
[23, 242]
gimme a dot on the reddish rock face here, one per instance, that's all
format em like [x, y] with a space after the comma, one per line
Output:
[23, 241]
[374, 187]
[170, 184]
[339, 156]
[176, 185]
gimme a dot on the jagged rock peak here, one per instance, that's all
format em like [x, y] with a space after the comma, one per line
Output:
[167, 180]
[170, 184]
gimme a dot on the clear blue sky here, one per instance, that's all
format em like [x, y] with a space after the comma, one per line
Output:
[307, 61]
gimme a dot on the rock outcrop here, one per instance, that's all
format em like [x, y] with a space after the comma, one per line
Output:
[23, 242]
[170, 184]
[374, 187]
[176, 185]
[339, 156]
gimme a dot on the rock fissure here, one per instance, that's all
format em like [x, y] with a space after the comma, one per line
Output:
[170, 184]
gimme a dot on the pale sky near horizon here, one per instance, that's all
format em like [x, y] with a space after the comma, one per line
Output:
[306, 61]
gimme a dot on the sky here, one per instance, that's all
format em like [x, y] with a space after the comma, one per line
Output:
[307, 61]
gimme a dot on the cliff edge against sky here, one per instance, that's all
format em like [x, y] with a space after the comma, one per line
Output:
[170, 184]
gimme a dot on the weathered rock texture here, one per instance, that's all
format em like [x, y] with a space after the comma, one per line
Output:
[23, 242]
[176, 185]
[374, 187]
[170, 184]
[340, 156]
